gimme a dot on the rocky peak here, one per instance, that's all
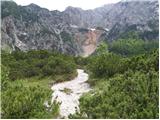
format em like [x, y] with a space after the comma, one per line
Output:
[75, 31]
[70, 8]
[34, 6]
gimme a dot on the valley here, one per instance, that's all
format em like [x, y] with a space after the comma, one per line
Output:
[100, 63]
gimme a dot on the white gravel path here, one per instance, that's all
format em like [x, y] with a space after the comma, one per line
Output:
[69, 102]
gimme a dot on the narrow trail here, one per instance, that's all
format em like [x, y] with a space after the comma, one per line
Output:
[68, 93]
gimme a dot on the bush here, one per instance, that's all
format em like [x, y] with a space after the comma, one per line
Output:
[19, 101]
[131, 47]
[132, 95]
[127, 88]
[105, 65]
[37, 63]
[66, 36]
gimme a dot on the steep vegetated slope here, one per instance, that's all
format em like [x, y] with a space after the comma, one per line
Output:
[123, 87]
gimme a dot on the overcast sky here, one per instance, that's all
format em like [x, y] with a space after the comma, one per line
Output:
[62, 4]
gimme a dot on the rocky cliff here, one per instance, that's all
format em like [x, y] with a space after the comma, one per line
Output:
[75, 31]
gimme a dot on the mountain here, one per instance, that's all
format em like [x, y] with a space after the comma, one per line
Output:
[76, 31]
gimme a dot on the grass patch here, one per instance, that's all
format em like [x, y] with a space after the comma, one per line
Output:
[64, 77]
[67, 91]
[46, 82]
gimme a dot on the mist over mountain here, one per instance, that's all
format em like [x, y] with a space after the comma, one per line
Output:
[76, 31]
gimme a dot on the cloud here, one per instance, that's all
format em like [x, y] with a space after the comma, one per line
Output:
[62, 4]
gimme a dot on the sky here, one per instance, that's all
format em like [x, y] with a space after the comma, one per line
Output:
[62, 4]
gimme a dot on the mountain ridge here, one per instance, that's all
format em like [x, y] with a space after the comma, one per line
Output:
[32, 27]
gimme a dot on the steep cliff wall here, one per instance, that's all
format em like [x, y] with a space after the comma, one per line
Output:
[32, 27]
[91, 42]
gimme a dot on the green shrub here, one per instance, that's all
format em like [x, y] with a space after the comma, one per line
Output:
[37, 63]
[132, 95]
[130, 92]
[105, 65]
[19, 101]
[66, 36]
[131, 47]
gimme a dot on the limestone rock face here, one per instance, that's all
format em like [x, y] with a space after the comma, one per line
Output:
[75, 31]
